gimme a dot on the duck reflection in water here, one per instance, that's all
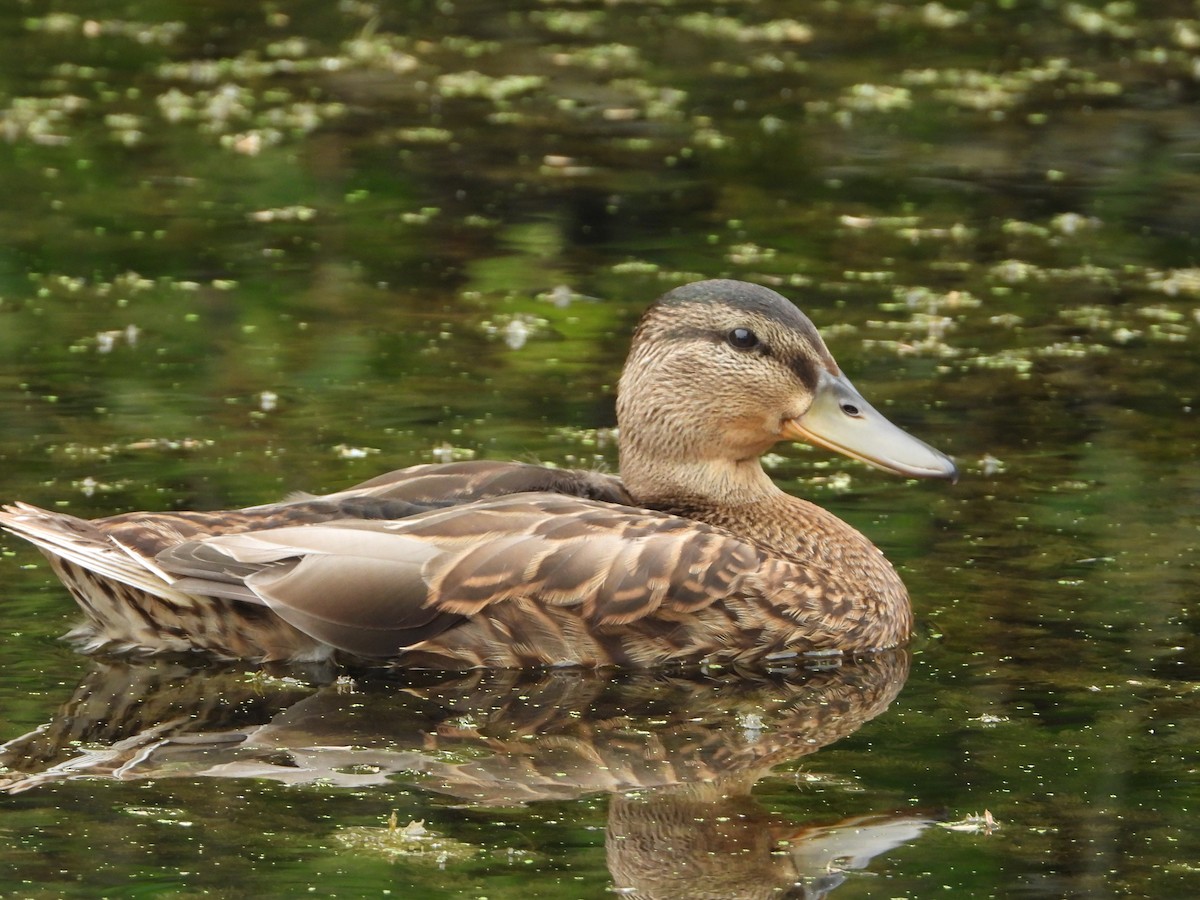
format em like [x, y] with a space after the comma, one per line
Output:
[678, 754]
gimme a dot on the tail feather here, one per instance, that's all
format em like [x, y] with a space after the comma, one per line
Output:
[132, 605]
[80, 542]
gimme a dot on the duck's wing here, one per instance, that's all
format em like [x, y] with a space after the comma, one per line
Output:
[395, 495]
[377, 588]
[447, 484]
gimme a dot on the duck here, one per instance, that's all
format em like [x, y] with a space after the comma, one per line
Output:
[691, 555]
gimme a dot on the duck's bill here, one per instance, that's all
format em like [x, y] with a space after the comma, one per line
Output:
[840, 419]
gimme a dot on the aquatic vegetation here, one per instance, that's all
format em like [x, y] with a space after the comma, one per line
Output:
[227, 110]
[446, 452]
[476, 84]
[600, 438]
[984, 91]
[70, 24]
[936, 15]
[875, 98]
[346, 451]
[926, 300]
[749, 254]
[423, 216]
[1176, 283]
[580, 23]
[515, 329]
[636, 266]
[283, 214]
[382, 52]
[780, 31]
[975, 823]
[1111, 20]
[598, 57]
[427, 134]
[42, 120]
[413, 841]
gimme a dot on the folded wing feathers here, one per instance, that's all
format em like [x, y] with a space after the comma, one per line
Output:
[474, 480]
[620, 565]
[376, 586]
[392, 577]
[79, 542]
[376, 612]
[359, 590]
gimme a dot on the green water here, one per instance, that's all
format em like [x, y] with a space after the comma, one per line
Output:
[253, 248]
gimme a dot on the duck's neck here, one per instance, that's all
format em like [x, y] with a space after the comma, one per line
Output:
[662, 481]
[674, 461]
[671, 454]
[739, 496]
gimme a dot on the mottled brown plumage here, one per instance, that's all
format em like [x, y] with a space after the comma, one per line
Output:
[692, 555]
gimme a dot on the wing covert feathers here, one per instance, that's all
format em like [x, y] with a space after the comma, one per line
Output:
[377, 588]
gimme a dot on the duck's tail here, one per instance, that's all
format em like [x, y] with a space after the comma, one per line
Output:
[131, 604]
[66, 538]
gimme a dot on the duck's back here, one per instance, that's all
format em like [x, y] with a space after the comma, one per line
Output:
[109, 564]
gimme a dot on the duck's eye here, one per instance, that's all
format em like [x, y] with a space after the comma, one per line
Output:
[743, 339]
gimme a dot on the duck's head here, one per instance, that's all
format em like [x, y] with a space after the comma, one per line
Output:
[721, 370]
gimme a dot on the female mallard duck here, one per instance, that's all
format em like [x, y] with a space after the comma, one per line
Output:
[692, 555]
